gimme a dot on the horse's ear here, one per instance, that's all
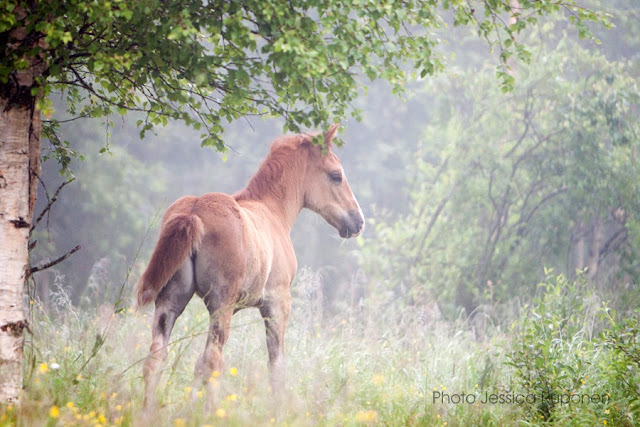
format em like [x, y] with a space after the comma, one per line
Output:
[330, 134]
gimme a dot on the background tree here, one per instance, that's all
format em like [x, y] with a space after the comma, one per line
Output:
[204, 64]
[504, 185]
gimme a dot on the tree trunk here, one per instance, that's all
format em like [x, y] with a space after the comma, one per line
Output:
[19, 164]
[20, 129]
[594, 249]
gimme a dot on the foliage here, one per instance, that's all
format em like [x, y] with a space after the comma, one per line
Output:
[622, 342]
[207, 63]
[501, 185]
[578, 376]
[550, 342]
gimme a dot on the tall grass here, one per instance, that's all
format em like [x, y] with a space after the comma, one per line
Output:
[374, 364]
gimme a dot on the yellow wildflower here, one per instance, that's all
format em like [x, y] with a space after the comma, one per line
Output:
[378, 379]
[233, 371]
[366, 416]
[43, 368]
[221, 413]
[54, 412]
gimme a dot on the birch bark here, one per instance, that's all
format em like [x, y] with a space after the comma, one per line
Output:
[20, 129]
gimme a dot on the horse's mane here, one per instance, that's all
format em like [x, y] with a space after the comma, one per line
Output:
[286, 152]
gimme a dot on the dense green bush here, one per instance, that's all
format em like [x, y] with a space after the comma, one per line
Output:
[576, 376]
[621, 344]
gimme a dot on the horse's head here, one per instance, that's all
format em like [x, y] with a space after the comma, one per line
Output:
[327, 191]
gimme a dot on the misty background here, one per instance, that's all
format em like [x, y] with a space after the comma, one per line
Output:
[468, 192]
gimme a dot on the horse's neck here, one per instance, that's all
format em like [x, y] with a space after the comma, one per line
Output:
[283, 199]
[287, 209]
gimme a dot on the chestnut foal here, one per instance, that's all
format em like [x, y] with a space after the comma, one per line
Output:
[236, 252]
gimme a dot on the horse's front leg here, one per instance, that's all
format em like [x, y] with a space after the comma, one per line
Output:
[275, 311]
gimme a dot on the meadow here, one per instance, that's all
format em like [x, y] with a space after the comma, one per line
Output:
[380, 363]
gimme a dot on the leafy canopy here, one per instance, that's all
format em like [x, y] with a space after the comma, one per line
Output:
[207, 62]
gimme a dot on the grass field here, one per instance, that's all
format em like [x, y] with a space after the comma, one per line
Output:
[374, 365]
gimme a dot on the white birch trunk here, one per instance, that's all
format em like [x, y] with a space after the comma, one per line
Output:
[20, 129]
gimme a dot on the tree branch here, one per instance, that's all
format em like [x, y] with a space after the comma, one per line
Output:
[49, 204]
[614, 242]
[52, 263]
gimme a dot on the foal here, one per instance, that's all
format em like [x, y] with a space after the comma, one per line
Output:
[236, 252]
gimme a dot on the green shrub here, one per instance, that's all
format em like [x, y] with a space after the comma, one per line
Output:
[550, 344]
[621, 367]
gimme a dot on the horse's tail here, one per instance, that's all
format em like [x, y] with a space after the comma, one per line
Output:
[179, 238]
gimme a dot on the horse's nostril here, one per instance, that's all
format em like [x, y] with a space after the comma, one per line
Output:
[355, 221]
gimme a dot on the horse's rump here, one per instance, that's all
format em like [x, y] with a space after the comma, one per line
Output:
[180, 237]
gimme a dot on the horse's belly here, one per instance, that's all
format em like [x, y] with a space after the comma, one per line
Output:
[259, 261]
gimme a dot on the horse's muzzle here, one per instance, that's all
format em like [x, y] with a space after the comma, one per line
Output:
[352, 224]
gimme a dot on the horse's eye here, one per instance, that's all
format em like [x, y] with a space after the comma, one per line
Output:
[336, 177]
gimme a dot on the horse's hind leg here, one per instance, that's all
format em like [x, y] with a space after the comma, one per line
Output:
[210, 364]
[170, 303]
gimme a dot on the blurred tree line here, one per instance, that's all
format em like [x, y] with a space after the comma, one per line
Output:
[502, 185]
[468, 191]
